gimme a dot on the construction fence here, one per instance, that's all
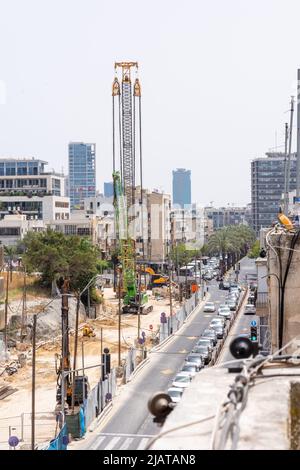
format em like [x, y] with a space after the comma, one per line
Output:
[170, 325]
[47, 424]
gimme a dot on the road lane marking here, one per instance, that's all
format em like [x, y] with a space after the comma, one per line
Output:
[97, 443]
[112, 443]
[167, 371]
[142, 444]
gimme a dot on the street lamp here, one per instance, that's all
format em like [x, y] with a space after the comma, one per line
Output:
[78, 296]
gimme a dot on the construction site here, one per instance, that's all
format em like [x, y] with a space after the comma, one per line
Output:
[52, 351]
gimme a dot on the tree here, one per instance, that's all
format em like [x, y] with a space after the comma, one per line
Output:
[57, 256]
[231, 243]
[255, 250]
[10, 251]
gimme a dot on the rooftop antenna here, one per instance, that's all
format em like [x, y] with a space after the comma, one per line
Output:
[288, 166]
[298, 137]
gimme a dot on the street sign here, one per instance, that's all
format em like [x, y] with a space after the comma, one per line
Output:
[163, 318]
[253, 323]
[13, 441]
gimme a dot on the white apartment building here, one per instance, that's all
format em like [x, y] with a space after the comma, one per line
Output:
[14, 227]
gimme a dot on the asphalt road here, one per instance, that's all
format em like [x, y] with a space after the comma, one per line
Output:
[130, 424]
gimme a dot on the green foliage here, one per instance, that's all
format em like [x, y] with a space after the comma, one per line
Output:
[181, 255]
[255, 250]
[233, 239]
[101, 265]
[56, 256]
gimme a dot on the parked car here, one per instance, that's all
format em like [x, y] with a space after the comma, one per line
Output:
[231, 304]
[209, 307]
[226, 285]
[175, 394]
[192, 370]
[195, 360]
[234, 285]
[250, 309]
[182, 380]
[206, 342]
[209, 333]
[224, 312]
[204, 352]
[219, 330]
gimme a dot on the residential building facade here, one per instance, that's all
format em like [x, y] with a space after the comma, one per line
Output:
[26, 188]
[267, 187]
[109, 189]
[82, 172]
[224, 216]
[28, 176]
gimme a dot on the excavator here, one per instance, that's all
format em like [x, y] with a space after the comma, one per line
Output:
[157, 280]
[132, 302]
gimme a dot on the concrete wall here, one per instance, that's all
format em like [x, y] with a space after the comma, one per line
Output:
[281, 242]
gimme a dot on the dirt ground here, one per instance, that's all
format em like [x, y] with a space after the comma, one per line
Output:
[20, 401]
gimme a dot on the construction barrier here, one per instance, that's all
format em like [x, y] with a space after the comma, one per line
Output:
[61, 441]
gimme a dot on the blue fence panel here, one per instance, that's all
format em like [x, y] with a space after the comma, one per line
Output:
[61, 441]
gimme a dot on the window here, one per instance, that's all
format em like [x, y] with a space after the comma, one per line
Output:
[83, 231]
[62, 204]
[9, 231]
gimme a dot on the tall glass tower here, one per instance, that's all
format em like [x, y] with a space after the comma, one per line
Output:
[82, 172]
[182, 187]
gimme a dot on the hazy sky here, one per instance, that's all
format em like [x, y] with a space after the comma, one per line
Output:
[216, 80]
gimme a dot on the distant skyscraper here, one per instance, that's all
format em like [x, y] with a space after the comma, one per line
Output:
[182, 187]
[108, 189]
[82, 172]
[267, 187]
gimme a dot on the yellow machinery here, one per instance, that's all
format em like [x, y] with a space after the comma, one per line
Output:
[157, 280]
[88, 331]
[285, 221]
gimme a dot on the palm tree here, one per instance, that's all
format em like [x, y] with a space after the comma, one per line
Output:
[221, 243]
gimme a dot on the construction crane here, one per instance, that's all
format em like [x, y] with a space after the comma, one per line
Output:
[126, 101]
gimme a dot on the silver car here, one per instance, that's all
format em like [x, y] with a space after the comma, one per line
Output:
[209, 307]
[175, 394]
[224, 312]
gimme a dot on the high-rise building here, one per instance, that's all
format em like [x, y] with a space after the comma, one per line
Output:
[182, 187]
[224, 216]
[82, 172]
[267, 187]
[108, 189]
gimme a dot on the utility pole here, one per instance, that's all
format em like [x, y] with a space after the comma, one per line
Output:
[119, 323]
[75, 349]
[289, 156]
[139, 311]
[33, 383]
[65, 357]
[171, 303]
[101, 348]
[298, 136]
[5, 310]
[286, 139]
[24, 316]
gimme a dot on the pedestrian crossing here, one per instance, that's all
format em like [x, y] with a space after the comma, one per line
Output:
[113, 441]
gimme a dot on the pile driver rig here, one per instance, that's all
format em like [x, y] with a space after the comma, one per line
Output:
[126, 103]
